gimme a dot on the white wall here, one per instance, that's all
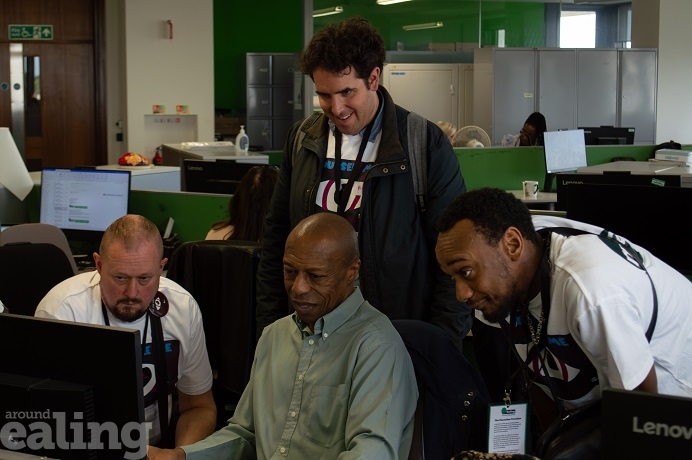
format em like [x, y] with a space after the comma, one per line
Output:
[664, 24]
[116, 84]
[146, 67]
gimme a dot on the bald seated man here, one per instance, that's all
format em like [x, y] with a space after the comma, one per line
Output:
[332, 377]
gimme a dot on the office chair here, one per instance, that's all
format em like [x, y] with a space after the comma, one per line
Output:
[220, 275]
[39, 233]
[28, 271]
[452, 409]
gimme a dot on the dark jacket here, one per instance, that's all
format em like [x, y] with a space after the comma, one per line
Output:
[399, 273]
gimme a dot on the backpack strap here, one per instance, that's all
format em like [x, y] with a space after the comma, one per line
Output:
[417, 153]
[417, 148]
[626, 250]
[300, 134]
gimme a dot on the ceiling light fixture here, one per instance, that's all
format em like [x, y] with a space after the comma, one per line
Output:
[427, 25]
[327, 11]
[390, 2]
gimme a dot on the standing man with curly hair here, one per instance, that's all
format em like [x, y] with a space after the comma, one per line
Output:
[353, 159]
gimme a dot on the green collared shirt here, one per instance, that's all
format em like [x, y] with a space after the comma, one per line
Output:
[346, 391]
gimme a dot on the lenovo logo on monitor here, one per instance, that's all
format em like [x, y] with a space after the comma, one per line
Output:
[644, 425]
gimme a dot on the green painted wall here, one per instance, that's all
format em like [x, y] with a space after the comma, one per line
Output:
[523, 22]
[243, 27]
[247, 27]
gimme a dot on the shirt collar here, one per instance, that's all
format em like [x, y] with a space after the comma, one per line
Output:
[377, 124]
[333, 320]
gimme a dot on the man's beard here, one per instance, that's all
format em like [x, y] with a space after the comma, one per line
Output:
[129, 314]
[510, 302]
[505, 307]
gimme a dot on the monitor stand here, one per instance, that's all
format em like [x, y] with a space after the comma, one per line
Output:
[548, 182]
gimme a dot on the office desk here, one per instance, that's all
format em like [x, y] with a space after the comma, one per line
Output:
[544, 198]
[165, 178]
[174, 154]
[650, 168]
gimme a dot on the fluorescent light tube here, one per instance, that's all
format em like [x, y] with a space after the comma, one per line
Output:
[427, 25]
[390, 2]
[327, 11]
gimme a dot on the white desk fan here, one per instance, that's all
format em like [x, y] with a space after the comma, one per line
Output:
[472, 136]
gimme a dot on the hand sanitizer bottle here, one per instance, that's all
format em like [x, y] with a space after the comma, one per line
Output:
[242, 143]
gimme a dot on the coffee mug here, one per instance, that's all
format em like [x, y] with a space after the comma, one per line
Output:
[530, 188]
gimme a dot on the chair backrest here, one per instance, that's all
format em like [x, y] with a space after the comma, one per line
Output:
[453, 401]
[38, 233]
[27, 272]
[220, 275]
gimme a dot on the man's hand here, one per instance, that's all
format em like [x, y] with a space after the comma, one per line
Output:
[154, 453]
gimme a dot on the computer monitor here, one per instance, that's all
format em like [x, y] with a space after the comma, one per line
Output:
[70, 390]
[219, 176]
[608, 135]
[566, 180]
[637, 424]
[83, 202]
[564, 151]
[647, 215]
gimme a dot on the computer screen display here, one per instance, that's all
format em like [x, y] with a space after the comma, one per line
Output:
[608, 135]
[564, 151]
[83, 199]
[70, 390]
[220, 176]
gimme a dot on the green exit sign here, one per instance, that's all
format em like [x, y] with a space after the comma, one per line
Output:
[30, 32]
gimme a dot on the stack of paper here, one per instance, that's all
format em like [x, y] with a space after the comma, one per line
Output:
[682, 156]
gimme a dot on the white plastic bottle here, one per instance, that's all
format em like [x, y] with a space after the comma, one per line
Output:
[242, 142]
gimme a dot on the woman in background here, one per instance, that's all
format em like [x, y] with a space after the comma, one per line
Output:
[450, 131]
[530, 135]
[247, 207]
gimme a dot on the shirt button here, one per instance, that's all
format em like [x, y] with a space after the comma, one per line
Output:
[282, 450]
[325, 335]
[300, 377]
[293, 414]
[311, 342]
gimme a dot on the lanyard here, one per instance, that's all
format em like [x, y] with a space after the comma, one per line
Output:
[108, 323]
[160, 369]
[341, 195]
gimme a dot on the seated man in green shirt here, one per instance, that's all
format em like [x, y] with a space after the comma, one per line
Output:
[332, 377]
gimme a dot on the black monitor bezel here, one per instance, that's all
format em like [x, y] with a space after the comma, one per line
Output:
[594, 135]
[107, 358]
[220, 176]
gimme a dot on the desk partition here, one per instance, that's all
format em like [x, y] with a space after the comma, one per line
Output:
[193, 213]
[506, 168]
